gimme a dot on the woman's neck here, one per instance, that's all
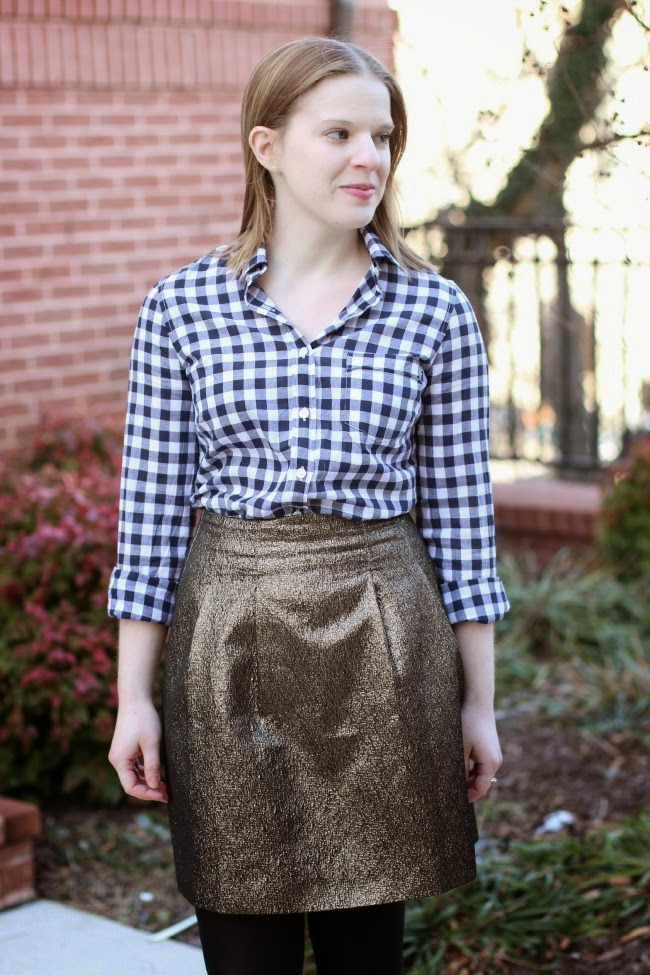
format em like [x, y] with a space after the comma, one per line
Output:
[296, 254]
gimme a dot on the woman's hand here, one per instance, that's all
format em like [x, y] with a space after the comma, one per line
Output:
[135, 750]
[482, 751]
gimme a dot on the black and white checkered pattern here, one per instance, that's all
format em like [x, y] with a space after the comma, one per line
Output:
[231, 409]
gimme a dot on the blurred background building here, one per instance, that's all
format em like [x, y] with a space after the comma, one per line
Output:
[526, 179]
[120, 162]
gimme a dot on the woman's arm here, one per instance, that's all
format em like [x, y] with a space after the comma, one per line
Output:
[159, 466]
[482, 751]
[456, 518]
[137, 734]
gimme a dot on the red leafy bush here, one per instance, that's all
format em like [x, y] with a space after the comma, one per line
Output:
[58, 513]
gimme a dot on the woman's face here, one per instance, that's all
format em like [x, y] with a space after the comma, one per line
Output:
[333, 155]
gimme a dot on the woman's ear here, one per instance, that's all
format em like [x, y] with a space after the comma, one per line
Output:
[264, 143]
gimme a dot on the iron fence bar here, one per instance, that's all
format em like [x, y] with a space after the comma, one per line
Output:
[568, 373]
[594, 430]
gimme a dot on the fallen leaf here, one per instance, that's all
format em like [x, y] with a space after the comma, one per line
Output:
[635, 933]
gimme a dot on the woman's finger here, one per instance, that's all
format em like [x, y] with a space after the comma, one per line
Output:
[133, 780]
[126, 772]
[480, 785]
[151, 759]
[482, 776]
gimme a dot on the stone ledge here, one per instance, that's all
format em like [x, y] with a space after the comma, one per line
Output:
[543, 516]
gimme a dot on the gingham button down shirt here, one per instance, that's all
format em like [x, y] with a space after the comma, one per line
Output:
[232, 409]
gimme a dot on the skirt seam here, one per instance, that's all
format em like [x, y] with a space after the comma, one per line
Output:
[380, 609]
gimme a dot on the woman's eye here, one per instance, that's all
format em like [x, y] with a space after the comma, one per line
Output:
[338, 134]
[384, 138]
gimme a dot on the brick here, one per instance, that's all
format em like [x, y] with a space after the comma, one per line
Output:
[40, 385]
[17, 874]
[44, 97]
[69, 162]
[93, 183]
[16, 254]
[71, 205]
[141, 139]
[96, 98]
[22, 820]
[20, 207]
[9, 411]
[22, 164]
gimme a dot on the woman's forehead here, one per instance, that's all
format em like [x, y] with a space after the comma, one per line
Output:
[347, 96]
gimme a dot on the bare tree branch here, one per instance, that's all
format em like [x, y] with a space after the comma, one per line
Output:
[615, 138]
[630, 9]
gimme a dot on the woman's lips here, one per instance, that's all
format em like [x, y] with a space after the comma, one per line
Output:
[361, 191]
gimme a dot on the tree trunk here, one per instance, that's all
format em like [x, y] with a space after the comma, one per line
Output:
[534, 192]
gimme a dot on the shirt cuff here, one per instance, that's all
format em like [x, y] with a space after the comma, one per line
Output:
[481, 600]
[133, 596]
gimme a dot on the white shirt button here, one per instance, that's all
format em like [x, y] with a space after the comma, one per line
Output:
[304, 413]
[303, 352]
[301, 472]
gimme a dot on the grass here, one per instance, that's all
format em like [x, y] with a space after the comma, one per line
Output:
[577, 644]
[142, 844]
[534, 900]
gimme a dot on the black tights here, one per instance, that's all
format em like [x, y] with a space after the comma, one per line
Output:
[345, 941]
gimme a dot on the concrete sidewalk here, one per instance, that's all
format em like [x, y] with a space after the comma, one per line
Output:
[47, 938]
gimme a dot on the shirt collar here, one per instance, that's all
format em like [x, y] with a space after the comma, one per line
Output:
[378, 252]
[256, 265]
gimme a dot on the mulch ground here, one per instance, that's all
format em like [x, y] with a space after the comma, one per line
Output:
[105, 860]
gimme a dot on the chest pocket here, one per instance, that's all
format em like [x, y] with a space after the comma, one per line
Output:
[381, 397]
[242, 402]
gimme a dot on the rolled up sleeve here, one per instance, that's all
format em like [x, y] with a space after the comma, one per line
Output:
[159, 467]
[455, 512]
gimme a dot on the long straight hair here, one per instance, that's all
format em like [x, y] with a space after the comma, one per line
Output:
[276, 84]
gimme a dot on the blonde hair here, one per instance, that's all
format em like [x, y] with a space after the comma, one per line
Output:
[274, 87]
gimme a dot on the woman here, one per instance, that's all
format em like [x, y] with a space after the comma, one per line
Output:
[328, 687]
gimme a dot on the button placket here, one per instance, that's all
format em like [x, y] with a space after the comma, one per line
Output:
[300, 444]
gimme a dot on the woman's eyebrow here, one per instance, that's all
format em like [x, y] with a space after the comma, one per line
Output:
[342, 121]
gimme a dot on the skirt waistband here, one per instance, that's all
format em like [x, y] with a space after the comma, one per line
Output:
[303, 535]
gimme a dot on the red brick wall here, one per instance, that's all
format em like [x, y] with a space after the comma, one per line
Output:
[538, 518]
[119, 162]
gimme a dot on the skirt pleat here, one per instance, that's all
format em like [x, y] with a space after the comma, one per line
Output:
[311, 718]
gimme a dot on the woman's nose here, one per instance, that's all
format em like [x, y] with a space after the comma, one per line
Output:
[366, 153]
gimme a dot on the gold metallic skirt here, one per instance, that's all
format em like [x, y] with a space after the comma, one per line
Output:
[311, 716]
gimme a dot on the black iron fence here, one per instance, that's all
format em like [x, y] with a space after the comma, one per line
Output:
[564, 313]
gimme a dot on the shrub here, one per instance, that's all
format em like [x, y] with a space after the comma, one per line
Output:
[623, 533]
[533, 903]
[57, 645]
[73, 447]
[579, 642]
